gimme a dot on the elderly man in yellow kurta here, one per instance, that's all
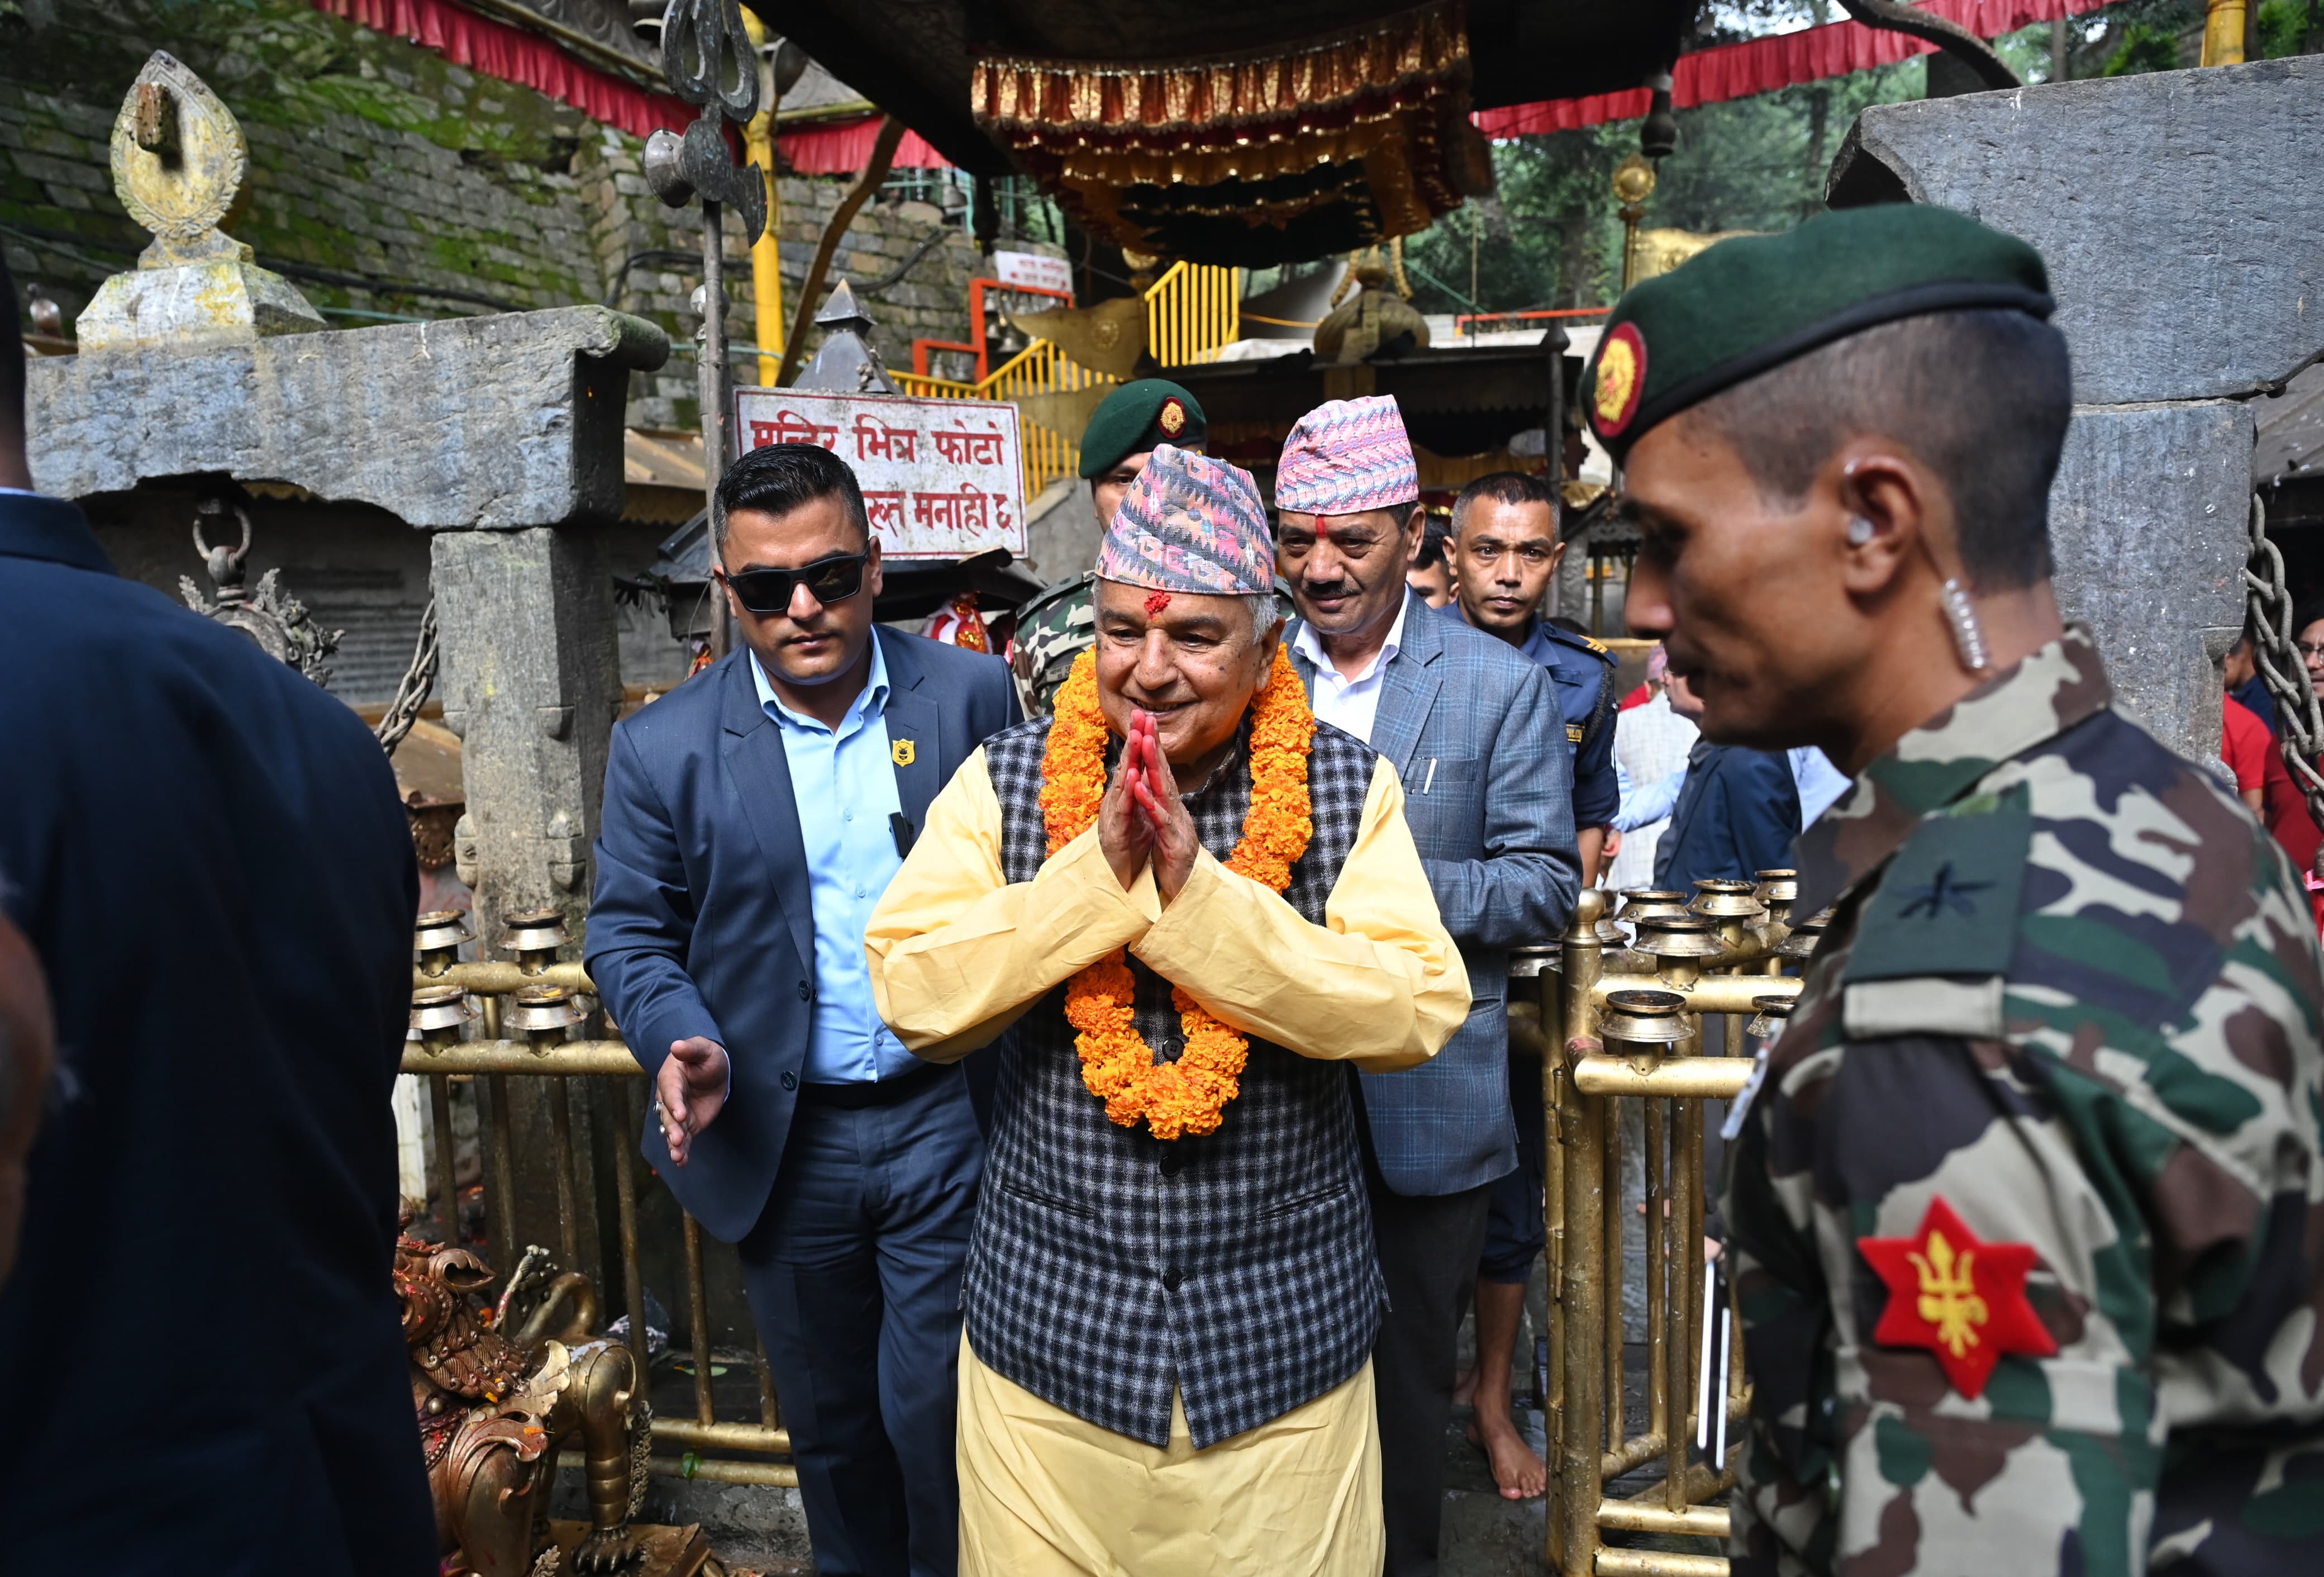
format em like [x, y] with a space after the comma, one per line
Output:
[1181, 905]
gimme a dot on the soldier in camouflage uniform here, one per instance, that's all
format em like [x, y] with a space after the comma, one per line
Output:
[1059, 625]
[2026, 1209]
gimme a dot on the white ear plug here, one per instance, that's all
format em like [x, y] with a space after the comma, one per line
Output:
[1860, 531]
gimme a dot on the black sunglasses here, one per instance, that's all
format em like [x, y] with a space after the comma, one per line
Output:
[828, 580]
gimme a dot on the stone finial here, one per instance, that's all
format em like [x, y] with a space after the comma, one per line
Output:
[847, 362]
[179, 160]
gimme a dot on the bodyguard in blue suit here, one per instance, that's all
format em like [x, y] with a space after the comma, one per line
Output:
[200, 1349]
[1474, 730]
[752, 818]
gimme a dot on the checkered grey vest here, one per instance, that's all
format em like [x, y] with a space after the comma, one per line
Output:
[1108, 1265]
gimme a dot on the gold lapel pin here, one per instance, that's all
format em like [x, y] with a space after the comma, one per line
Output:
[900, 752]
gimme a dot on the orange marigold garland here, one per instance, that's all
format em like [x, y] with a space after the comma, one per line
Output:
[1189, 1095]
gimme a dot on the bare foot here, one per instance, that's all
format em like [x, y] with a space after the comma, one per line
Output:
[1520, 1474]
[1464, 1391]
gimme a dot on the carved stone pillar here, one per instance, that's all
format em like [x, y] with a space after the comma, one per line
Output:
[531, 680]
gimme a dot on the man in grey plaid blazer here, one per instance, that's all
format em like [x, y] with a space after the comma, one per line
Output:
[1475, 733]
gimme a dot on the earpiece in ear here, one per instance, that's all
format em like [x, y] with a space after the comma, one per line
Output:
[1860, 531]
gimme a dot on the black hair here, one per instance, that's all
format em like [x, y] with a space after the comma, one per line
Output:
[11, 371]
[1432, 546]
[1981, 397]
[2304, 614]
[1503, 487]
[779, 477]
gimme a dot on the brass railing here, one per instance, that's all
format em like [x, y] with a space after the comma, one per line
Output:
[1658, 993]
[540, 1001]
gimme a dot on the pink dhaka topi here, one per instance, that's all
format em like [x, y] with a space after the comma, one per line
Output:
[1347, 456]
[1190, 523]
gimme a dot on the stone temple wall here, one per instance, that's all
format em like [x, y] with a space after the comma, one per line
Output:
[371, 156]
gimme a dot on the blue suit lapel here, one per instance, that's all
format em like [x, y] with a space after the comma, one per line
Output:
[912, 715]
[1408, 690]
[760, 771]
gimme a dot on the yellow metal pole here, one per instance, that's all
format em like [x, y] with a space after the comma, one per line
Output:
[2223, 33]
[766, 252]
[1579, 1448]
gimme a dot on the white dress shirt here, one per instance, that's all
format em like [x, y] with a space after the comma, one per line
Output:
[1350, 705]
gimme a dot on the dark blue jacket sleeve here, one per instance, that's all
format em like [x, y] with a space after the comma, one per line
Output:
[642, 920]
[1762, 810]
[1597, 792]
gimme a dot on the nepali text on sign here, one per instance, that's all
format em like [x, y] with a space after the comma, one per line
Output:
[1030, 270]
[941, 479]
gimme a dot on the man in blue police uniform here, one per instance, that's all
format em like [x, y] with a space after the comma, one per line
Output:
[1505, 552]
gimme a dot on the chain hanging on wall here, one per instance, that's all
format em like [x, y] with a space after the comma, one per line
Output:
[2269, 617]
[412, 694]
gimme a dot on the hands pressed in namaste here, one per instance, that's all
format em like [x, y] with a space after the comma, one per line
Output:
[1142, 818]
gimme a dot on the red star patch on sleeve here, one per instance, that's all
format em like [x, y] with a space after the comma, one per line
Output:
[1962, 1298]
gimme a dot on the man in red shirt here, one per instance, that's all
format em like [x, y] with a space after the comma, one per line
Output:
[2247, 746]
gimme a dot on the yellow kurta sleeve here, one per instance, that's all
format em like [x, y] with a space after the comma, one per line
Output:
[957, 953]
[1378, 984]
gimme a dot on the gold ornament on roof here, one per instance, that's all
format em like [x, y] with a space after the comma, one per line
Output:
[1634, 179]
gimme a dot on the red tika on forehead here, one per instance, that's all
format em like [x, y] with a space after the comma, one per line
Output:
[1156, 602]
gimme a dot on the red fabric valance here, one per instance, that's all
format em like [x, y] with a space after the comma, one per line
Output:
[511, 55]
[843, 147]
[1762, 65]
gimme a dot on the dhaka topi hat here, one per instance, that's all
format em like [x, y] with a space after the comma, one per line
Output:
[1747, 305]
[1347, 456]
[1137, 417]
[1190, 523]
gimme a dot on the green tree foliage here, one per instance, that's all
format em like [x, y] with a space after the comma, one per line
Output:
[2285, 26]
[2144, 47]
[1550, 234]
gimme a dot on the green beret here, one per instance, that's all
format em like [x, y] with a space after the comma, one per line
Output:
[1749, 304]
[1135, 418]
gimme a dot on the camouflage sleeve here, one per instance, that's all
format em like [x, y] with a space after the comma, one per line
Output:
[1944, 1344]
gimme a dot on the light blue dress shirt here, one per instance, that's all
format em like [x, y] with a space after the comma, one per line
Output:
[1643, 807]
[1820, 782]
[844, 785]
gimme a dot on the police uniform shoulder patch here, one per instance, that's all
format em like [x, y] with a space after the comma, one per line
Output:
[1577, 642]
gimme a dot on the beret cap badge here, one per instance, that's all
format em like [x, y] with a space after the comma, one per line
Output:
[1171, 419]
[1621, 378]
